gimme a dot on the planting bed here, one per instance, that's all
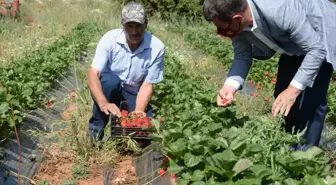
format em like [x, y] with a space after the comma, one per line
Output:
[211, 145]
[26, 82]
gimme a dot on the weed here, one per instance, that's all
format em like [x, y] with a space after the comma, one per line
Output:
[80, 171]
[44, 182]
[69, 182]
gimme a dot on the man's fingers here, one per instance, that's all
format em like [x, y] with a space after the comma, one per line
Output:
[116, 110]
[106, 112]
[288, 109]
[283, 109]
[219, 100]
[276, 102]
[276, 109]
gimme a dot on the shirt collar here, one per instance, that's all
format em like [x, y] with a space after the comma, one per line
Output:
[255, 26]
[145, 44]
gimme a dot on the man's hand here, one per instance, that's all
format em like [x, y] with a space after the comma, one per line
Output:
[108, 108]
[143, 97]
[225, 95]
[142, 113]
[285, 101]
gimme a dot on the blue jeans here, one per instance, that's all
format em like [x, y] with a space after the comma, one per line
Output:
[310, 108]
[114, 93]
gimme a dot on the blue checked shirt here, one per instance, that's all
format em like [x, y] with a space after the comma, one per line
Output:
[145, 64]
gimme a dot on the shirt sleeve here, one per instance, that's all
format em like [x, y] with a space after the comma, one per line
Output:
[102, 53]
[155, 71]
[241, 63]
[292, 19]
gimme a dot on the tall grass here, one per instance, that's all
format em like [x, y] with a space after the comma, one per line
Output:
[39, 24]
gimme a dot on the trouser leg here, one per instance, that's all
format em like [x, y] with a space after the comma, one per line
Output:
[310, 107]
[111, 86]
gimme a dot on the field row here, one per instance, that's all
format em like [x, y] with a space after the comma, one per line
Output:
[209, 145]
[28, 78]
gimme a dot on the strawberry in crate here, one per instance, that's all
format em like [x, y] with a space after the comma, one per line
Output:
[135, 124]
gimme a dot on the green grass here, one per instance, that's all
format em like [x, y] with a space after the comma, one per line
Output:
[40, 24]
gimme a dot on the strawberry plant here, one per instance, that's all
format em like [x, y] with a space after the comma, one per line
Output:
[207, 144]
[27, 78]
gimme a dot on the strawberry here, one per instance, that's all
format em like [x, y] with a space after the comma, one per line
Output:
[124, 113]
[162, 172]
[123, 123]
[172, 176]
[166, 160]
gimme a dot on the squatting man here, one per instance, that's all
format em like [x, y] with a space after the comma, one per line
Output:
[126, 64]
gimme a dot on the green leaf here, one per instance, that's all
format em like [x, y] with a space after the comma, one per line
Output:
[183, 182]
[314, 180]
[27, 92]
[174, 168]
[261, 171]
[198, 183]
[224, 160]
[297, 155]
[198, 175]
[188, 132]
[178, 146]
[215, 169]
[291, 181]
[186, 175]
[248, 182]
[331, 181]
[215, 126]
[254, 148]
[242, 165]
[192, 160]
[222, 142]
[238, 146]
[211, 181]
[314, 151]
[4, 106]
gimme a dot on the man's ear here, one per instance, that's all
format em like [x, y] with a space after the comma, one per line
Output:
[237, 17]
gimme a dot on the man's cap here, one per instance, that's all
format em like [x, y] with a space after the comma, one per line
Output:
[133, 12]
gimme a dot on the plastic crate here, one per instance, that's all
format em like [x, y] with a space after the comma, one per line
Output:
[134, 132]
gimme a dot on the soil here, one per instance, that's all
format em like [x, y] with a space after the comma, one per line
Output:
[56, 168]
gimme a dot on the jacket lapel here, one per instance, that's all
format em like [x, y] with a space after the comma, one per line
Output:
[260, 20]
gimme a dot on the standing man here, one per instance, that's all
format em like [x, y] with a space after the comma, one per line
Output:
[126, 64]
[304, 32]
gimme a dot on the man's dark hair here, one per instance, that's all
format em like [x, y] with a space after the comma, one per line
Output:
[222, 9]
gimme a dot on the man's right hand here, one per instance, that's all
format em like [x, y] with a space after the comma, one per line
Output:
[108, 108]
[225, 95]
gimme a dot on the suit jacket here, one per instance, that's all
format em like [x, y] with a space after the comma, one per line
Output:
[298, 27]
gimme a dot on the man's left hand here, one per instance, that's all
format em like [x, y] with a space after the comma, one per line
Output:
[285, 101]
